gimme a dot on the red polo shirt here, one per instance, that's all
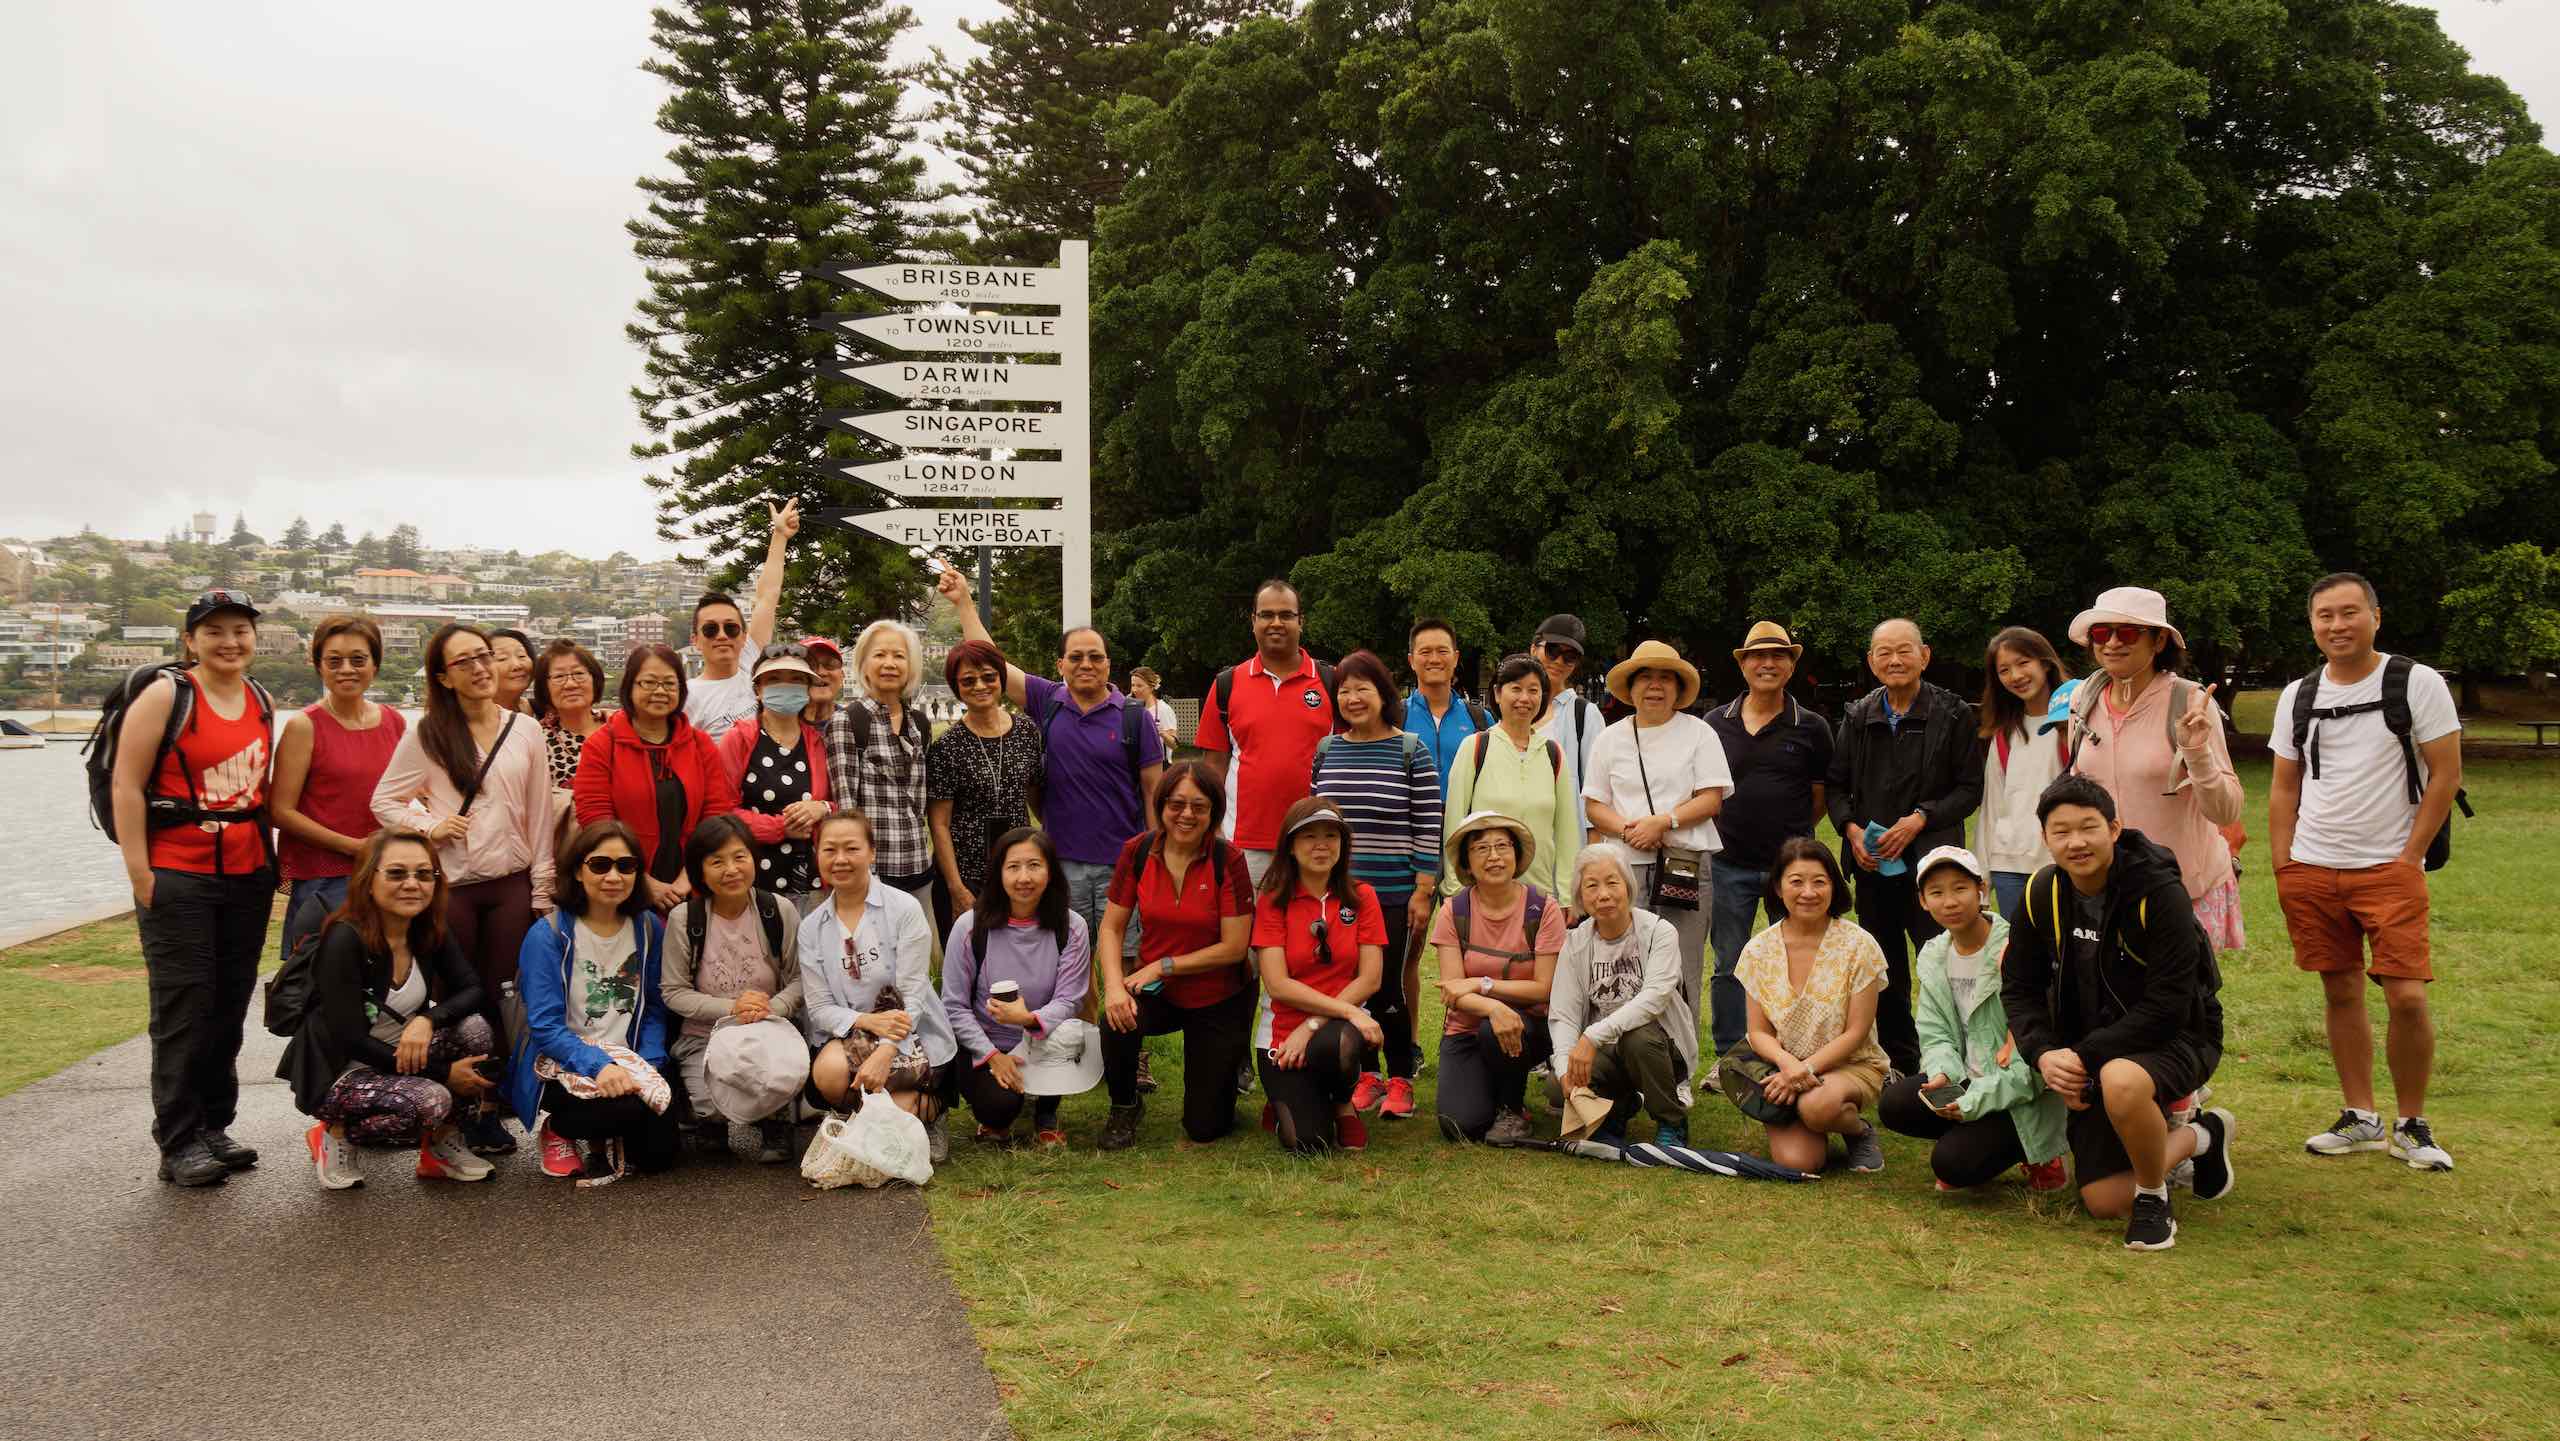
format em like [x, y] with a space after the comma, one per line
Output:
[1175, 922]
[1349, 925]
[1272, 736]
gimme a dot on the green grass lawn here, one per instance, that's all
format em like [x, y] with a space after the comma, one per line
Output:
[1422, 1289]
[73, 994]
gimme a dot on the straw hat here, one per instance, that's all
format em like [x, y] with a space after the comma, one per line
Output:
[1768, 635]
[2127, 605]
[1654, 655]
[1454, 850]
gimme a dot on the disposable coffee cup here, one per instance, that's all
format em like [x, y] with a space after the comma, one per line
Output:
[1009, 992]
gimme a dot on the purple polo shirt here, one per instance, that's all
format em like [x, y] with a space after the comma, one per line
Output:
[1089, 799]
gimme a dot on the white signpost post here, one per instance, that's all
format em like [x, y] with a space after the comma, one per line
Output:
[989, 374]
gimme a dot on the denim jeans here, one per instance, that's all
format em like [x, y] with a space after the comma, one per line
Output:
[331, 893]
[2008, 887]
[1088, 893]
[1739, 900]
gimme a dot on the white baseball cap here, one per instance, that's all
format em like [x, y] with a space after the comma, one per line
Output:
[1956, 856]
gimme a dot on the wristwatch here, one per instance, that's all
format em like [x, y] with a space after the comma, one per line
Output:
[1484, 985]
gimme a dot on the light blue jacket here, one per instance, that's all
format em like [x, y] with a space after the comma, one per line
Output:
[894, 943]
[1957, 1044]
[542, 980]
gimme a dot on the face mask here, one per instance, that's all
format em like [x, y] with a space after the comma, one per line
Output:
[786, 699]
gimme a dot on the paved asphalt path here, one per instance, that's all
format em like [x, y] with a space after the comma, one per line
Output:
[723, 1299]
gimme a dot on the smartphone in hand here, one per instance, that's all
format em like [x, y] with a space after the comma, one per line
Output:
[1946, 1095]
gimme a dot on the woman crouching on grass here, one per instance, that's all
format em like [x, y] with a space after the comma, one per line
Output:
[392, 1036]
[1015, 965]
[866, 985]
[595, 1021]
[1320, 942]
[1813, 980]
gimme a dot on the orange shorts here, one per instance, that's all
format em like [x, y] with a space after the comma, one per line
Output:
[2330, 914]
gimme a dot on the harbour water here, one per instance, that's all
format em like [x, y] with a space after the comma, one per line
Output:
[65, 867]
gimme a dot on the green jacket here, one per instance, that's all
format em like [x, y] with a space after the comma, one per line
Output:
[1958, 1044]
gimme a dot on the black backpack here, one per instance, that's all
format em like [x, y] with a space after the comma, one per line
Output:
[289, 989]
[1555, 753]
[1462, 912]
[2396, 715]
[99, 754]
[697, 923]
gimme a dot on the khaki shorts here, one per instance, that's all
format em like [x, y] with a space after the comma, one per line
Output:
[2330, 914]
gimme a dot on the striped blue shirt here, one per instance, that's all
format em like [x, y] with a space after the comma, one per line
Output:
[1391, 792]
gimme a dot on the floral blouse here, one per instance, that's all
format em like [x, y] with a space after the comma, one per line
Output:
[1849, 963]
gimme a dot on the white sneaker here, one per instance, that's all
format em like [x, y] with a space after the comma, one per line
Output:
[2414, 1142]
[332, 1158]
[460, 1164]
[2353, 1131]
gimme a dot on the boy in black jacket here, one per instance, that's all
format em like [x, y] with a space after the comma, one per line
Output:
[2113, 994]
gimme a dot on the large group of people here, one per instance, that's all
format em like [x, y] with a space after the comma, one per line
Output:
[730, 899]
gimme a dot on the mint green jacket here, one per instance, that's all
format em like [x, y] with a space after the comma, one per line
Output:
[1958, 1044]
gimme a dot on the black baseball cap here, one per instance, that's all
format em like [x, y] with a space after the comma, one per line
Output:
[1564, 630]
[215, 602]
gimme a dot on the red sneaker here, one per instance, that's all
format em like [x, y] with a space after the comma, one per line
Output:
[1366, 1095]
[2046, 1175]
[1399, 1102]
[560, 1156]
[1050, 1138]
[1352, 1133]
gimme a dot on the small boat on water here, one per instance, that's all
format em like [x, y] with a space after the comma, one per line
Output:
[16, 737]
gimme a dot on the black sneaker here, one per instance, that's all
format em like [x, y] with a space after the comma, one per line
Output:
[2151, 1228]
[228, 1151]
[2213, 1168]
[1120, 1128]
[193, 1165]
[487, 1135]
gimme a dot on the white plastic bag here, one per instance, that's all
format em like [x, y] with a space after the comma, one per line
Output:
[827, 1164]
[887, 1144]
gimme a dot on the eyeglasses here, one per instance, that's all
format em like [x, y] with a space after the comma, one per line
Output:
[1187, 807]
[2113, 634]
[1275, 615]
[403, 875]
[611, 865]
[721, 629]
[656, 685]
[973, 679]
[477, 660]
[346, 662]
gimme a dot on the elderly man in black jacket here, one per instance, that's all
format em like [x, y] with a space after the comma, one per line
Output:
[2113, 995]
[1908, 760]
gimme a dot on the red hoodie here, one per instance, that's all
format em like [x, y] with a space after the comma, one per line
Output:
[618, 778]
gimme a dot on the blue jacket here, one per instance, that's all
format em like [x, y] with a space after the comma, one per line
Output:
[542, 981]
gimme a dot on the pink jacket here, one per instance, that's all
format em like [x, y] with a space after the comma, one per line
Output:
[2132, 757]
[737, 745]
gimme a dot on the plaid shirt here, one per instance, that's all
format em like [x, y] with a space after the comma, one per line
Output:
[884, 780]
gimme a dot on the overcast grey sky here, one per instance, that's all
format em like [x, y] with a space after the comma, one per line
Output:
[366, 263]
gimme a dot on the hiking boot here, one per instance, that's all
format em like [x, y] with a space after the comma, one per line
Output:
[2214, 1171]
[1510, 1128]
[2414, 1142]
[442, 1156]
[228, 1151]
[2353, 1131]
[937, 1141]
[2151, 1227]
[332, 1158]
[487, 1135]
[1368, 1092]
[193, 1165]
[2043, 1176]
[1146, 1074]
[1120, 1128]
[1666, 1133]
[559, 1155]
[1398, 1106]
[773, 1142]
[1866, 1152]
[1351, 1133]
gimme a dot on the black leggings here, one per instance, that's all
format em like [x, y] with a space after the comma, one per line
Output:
[997, 1106]
[1387, 1007]
[1477, 1081]
[1305, 1097]
[648, 1138]
[1967, 1153]
[1214, 1040]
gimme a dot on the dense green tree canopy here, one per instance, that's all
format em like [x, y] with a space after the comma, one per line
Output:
[1684, 315]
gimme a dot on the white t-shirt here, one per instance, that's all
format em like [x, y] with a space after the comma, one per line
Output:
[604, 985]
[408, 998]
[715, 705]
[2356, 813]
[1682, 757]
[1167, 726]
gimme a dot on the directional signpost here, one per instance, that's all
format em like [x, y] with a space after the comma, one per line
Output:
[991, 371]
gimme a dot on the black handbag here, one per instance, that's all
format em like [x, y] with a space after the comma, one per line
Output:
[1679, 872]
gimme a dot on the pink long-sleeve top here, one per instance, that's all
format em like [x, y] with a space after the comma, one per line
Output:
[510, 818]
[2131, 755]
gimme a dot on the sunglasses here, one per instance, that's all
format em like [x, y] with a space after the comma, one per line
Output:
[477, 660]
[346, 662]
[403, 875]
[612, 865]
[723, 629]
[1324, 941]
[2112, 634]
